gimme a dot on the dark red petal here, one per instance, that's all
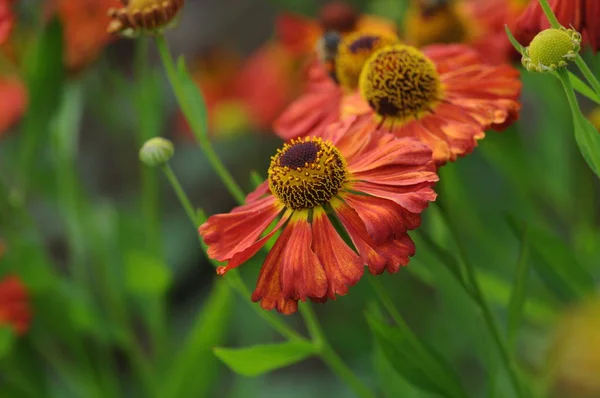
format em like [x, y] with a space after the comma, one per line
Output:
[268, 288]
[302, 274]
[342, 265]
[360, 236]
[231, 233]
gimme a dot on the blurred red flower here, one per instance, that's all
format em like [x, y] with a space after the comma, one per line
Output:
[475, 22]
[14, 304]
[84, 24]
[582, 15]
[6, 19]
[13, 102]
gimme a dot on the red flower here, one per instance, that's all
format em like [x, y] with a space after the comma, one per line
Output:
[444, 96]
[13, 101]
[14, 304]
[320, 105]
[582, 15]
[475, 22]
[375, 186]
[84, 29]
[7, 19]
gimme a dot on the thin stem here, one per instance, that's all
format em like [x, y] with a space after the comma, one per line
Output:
[329, 356]
[235, 281]
[490, 321]
[549, 14]
[589, 75]
[199, 129]
[183, 199]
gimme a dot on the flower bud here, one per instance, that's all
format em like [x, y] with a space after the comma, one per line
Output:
[156, 152]
[551, 49]
[143, 16]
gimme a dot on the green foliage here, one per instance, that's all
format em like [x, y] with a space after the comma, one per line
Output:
[256, 360]
[145, 275]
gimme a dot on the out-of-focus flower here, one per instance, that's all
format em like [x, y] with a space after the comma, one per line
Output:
[551, 49]
[84, 29]
[574, 355]
[594, 117]
[475, 22]
[580, 15]
[300, 34]
[445, 96]
[137, 16]
[320, 105]
[7, 19]
[245, 95]
[14, 304]
[13, 101]
[375, 186]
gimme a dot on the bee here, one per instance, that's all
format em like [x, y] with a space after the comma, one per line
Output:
[327, 47]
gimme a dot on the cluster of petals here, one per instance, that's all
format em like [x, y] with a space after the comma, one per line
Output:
[389, 184]
[581, 15]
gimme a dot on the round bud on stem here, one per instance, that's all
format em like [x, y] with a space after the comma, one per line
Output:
[156, 152]
[551, 49]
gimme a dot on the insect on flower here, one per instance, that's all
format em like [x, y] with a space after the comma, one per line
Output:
[143, 15]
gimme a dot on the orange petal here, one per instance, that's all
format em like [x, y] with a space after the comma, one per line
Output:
[268, 288]
[414, 198]
[398, 252]
[360, 236]
[342, 265]
[383, 218]
[6, 21]
[231, 233]
[14, 304]
[13, 102]
[302, 274]
[243, 256]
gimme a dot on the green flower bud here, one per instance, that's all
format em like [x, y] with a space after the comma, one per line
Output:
[156, 152]
[551, 49]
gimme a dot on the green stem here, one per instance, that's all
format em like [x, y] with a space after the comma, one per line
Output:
[235, 280]
[329, 356]
[549, 14]
[517, 299]
[490, 321]
[589, 75]
[183, 199]
[200, 131]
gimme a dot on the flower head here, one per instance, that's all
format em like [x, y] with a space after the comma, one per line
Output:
[14, 304]
[156, 152]
[581, 15]
[373, 186]
[444, 95]
[551, 49]
[320, 105]
[139, 16]
[475, 22]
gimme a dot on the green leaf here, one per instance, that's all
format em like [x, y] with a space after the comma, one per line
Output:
[195, 108]
[194, 367]
[260, 359]
[146, 275]
[556, 265]
[588, 140]
[519, 290]
[7, 339]
[583, 88]
[419, 364]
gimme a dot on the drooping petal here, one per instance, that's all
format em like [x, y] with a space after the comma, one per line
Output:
[302, 274]
[383, 218]
[360, 236]
[413, 198]
[268, 288]
[342, 265]
[398, 252]
[241, 257]
[231, 233]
